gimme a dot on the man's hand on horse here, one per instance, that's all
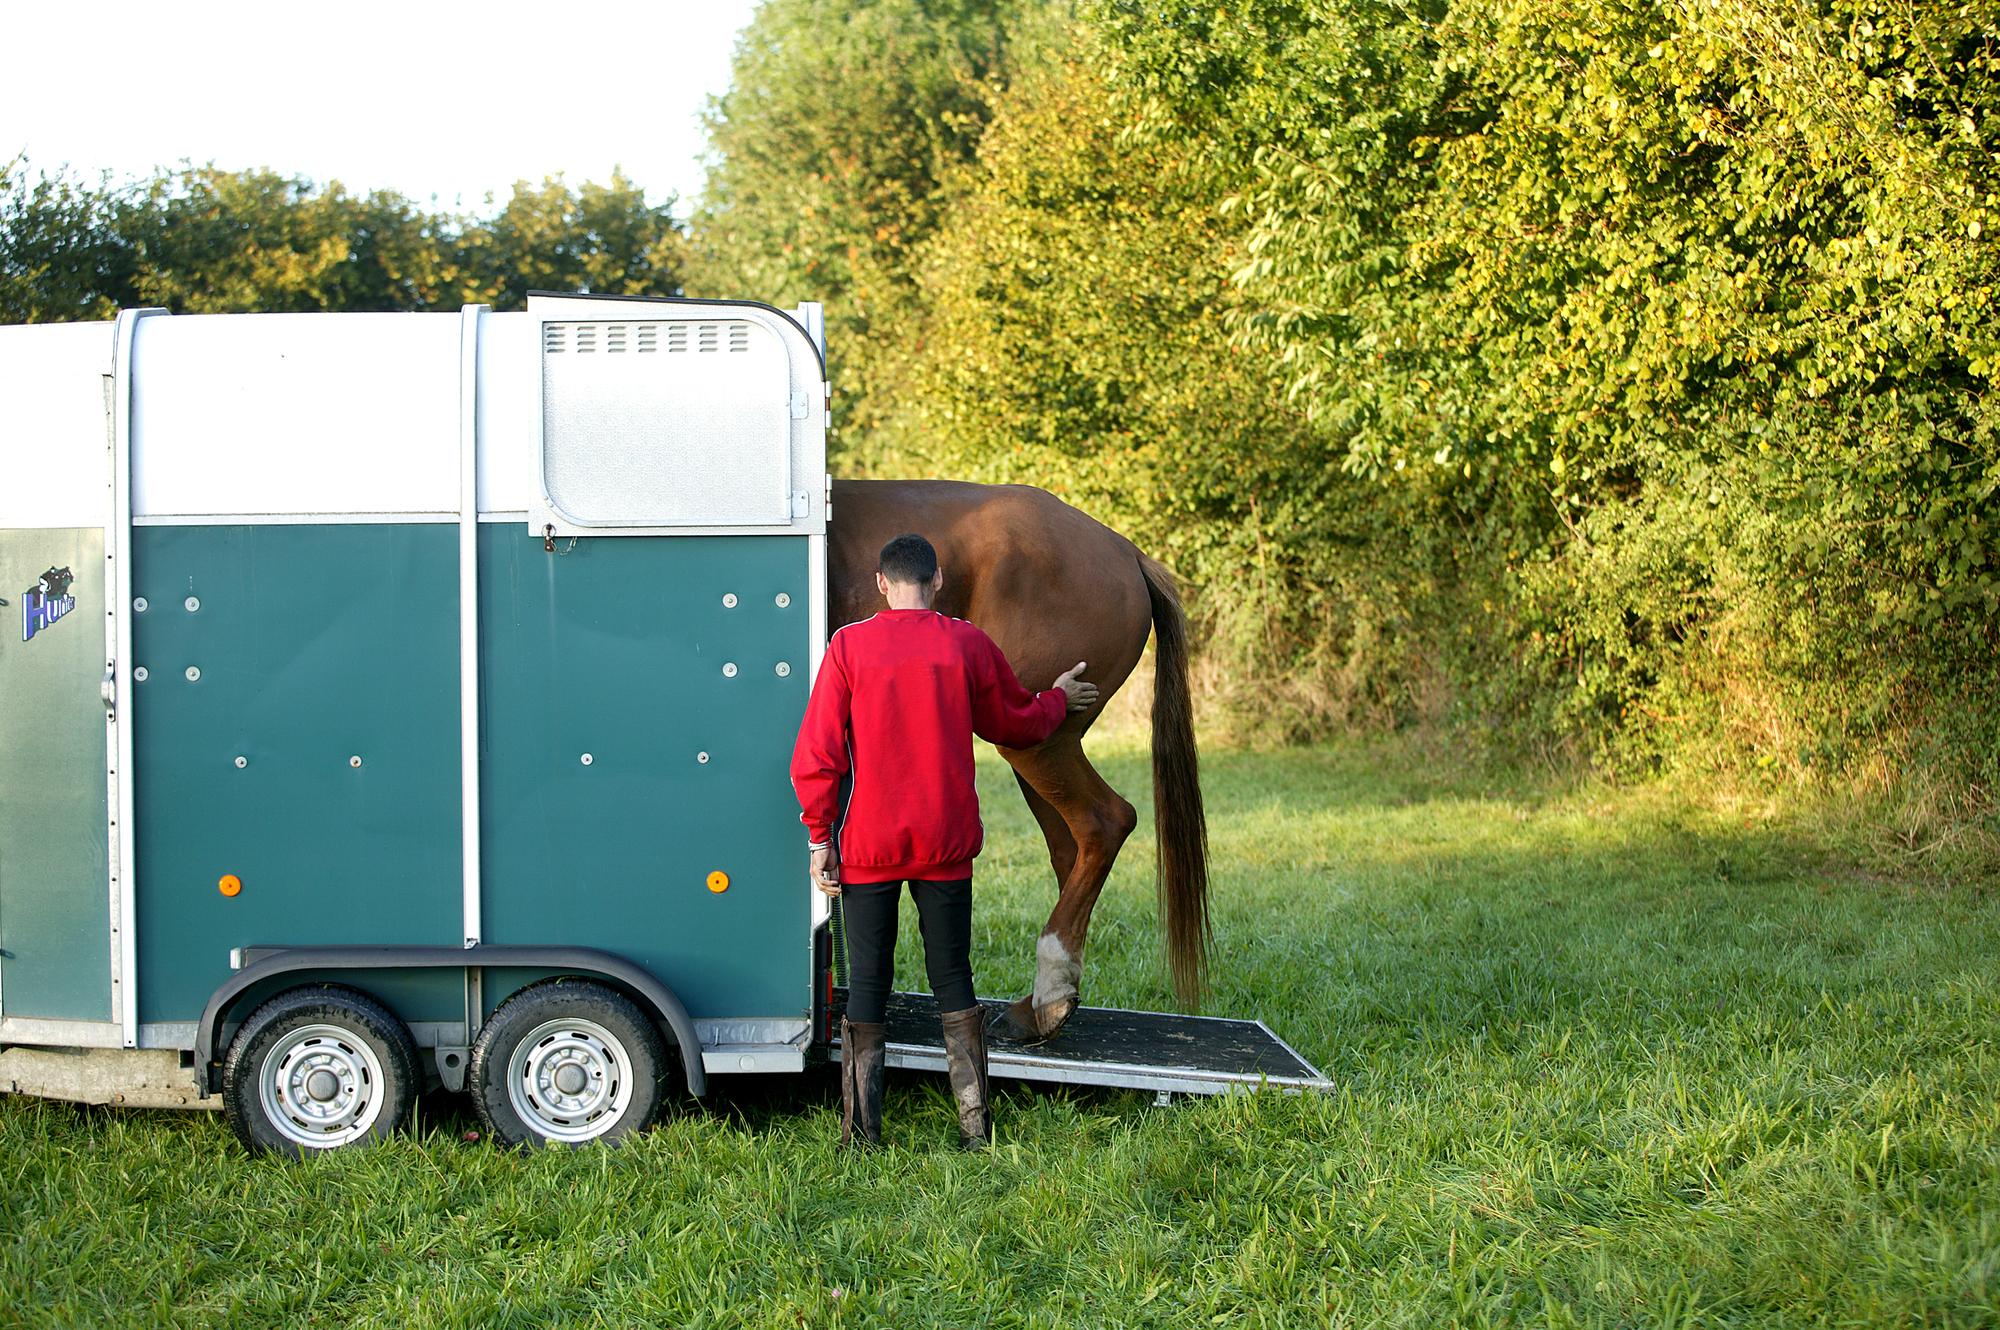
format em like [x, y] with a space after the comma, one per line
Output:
[1082, 695]
[826, 870]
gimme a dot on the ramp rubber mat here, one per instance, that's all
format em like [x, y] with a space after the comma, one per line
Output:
[1160, 1051]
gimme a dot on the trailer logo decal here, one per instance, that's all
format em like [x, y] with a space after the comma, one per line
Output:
[46, 601]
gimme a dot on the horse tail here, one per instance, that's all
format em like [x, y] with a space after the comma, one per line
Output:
[1180, 826]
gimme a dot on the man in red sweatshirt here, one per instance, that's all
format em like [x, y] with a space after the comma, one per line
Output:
[898, 699]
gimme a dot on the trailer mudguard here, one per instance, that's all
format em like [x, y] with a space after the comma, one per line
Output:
[582, 960]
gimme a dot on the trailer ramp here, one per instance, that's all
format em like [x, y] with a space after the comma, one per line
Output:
[1164, 1052]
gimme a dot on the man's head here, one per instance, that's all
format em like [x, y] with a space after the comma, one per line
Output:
[908, 560]
[908, 572]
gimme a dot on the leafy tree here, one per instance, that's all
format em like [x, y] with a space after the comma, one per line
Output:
[836, 149]
[56, 248]
[204, 240]
[605, 239]
[1689, 306]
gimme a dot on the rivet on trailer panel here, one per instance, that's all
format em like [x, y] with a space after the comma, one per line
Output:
[140, 674]
[784, 670]
[701, 757]
[587, 759]
[193, 673]
[354, 761]
[729, 670]
[783, 600]
[242, 762]
[192, 604]
[729, 600]
[718, 881]
[139, 604]
[230, 884]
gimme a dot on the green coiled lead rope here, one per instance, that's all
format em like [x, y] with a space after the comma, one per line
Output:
[837, 926]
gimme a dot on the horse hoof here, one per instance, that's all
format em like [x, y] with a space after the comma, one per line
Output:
[1025, 1023]
[1009, 1024]
[1052, 1018]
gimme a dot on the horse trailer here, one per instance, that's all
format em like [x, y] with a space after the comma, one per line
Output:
[406, 699]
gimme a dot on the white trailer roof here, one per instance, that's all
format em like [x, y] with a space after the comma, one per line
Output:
[357, 417]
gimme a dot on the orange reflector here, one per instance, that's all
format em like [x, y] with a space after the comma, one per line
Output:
[230, 884]
[718, 881]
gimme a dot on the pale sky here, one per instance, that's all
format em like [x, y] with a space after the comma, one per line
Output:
[430, 99]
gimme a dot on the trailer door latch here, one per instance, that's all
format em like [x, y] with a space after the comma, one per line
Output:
[108, 690]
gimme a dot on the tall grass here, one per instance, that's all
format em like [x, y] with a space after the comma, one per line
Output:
[1605, 1058]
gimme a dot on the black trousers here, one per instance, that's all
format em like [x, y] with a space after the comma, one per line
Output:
[944, 915]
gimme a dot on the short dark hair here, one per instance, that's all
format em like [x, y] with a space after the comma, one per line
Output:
[908, 559]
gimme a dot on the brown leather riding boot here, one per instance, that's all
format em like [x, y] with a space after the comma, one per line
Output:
[862, 1057]
[965, 1062]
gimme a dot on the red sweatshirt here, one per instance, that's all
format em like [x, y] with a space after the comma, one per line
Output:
[896, 704]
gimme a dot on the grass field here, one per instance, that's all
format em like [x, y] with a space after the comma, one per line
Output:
[1605, 1058]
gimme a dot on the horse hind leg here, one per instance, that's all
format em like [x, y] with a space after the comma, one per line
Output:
[1062, 845]
[1085, 822]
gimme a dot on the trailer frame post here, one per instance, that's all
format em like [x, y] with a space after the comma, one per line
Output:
[468, 623]
[118, 595]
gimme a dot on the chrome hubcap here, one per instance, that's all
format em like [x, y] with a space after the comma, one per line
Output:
[321, 1087]
[570, 1080]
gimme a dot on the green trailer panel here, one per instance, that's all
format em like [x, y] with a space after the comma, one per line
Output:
[624, 649]
[312, 645]
[55, 905]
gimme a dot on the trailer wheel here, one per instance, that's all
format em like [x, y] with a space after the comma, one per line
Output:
[317, 1068]
[567, 1062]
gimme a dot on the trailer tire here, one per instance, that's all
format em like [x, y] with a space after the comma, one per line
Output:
[318, 1068]
[567, 1062]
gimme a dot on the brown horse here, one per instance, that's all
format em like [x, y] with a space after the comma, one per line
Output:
[1053, 587]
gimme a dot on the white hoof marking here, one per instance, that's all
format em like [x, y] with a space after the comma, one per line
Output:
[1057, 973]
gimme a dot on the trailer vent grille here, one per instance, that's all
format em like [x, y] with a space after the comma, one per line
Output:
[585, 338]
